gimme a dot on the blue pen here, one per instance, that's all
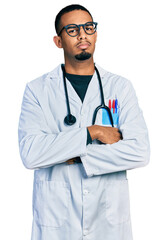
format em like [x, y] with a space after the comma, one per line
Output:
[116, 105]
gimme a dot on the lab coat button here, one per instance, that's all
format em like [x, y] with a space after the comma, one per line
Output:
[85, 232]
[85, 191]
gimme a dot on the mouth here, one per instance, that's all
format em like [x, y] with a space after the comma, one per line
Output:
[83, 45]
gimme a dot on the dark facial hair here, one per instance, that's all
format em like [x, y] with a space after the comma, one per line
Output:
[83, 56]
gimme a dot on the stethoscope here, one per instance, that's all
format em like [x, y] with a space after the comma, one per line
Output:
[70, 119]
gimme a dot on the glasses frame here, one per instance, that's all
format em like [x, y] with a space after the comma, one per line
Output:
[78, 26]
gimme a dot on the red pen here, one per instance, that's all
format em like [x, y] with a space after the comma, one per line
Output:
[113, 106]
[110, 104]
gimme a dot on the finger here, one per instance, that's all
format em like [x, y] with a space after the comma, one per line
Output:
[70, 162]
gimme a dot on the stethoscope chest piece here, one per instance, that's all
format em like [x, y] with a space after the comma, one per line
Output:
[70, 119]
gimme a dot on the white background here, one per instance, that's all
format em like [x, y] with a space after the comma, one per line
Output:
[132, 42]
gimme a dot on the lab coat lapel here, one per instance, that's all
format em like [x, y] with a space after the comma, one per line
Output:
[57, 75]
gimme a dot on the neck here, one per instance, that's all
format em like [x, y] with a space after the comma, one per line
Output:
[80, 67]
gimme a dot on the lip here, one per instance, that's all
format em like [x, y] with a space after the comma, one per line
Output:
[83, 45]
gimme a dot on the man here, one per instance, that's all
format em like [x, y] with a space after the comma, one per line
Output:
[80, 183]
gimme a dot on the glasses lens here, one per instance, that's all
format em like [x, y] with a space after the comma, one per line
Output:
[90, 28]
[72, 30]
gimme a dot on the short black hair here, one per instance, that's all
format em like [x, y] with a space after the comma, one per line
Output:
[67, 9]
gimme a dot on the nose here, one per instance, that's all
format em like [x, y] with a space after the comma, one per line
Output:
[82, 33]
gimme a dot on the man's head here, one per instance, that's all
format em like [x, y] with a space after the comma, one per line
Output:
[77, 42]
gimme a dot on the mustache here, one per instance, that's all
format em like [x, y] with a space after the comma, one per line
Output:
[81, 42]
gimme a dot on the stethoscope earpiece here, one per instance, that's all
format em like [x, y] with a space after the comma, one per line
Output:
[70, 119]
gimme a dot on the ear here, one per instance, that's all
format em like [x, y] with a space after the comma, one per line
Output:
[58, 41]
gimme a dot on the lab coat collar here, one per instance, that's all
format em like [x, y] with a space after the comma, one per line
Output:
[57, 72]
[93, 88]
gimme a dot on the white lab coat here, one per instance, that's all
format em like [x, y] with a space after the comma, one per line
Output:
[88, 200]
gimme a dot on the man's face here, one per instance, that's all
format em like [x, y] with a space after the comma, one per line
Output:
[82, 46]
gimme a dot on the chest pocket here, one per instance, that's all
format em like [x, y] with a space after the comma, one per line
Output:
[50, 203]
[103, 116]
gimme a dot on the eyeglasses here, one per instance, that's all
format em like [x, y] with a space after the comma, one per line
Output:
[73, 29]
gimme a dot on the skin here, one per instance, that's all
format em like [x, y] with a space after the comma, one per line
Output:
[70, 46]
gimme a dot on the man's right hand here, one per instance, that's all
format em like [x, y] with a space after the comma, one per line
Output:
[108, 135]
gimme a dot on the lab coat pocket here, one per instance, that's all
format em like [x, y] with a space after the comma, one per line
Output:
[115, 111]
[117, 202]
[50, 203]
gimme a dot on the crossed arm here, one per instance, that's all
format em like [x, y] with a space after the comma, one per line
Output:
[108, 135]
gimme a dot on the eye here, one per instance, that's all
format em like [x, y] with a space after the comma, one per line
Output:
[89, 28]
[72, 29]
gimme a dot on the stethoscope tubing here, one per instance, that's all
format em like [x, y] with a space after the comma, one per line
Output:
[70, 119]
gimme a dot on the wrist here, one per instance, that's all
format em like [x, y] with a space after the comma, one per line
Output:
[94, 131]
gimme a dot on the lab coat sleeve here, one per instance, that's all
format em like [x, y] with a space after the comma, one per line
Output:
[38, 146]
[131, 152]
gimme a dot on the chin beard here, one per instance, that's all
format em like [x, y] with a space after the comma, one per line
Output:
[83, 56]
